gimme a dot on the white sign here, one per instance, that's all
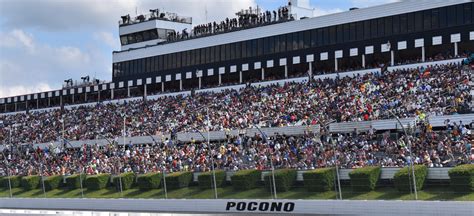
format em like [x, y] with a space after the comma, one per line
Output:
[233, 68]
[168, 78]
[257, 65]
[210, 72]
[282, 61]
[158, 79]
[245, 67]
[139, 82]
[323, 56]
[130, 83]
[471, 35]
[310, 58]
[178, 76]
[455, 38]
[296, 60]
[419, 42]
[189, 75]
[79, 90]
[354, 52]
[222, 70]
[437, 40]
[112, 85]
[199, 73]
[338, 54]
[369, 50]
[402, 45]
[148, 80]
[269, 63]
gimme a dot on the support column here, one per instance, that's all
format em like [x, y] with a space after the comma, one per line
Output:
[37, 103]
[363, 60]
[335, 64]
[15, 107]
[98, 97]
[456, 49]
[310, 68]
[199, 82]
[128, 91]
[392, 58]
[144, 92]
[162, 87]
[263, 74]
[220, 79]
[423, 54]
[111, 94]
[72, 100]
[61, 101]
[286, 71]
[5, 108]
[240, 76]
[181, 85]
[85, 96]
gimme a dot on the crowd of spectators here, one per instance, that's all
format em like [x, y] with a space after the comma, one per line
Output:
[438, 90]
[246, 19]
[446, 148]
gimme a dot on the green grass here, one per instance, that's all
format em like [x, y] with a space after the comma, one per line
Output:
[385, 193]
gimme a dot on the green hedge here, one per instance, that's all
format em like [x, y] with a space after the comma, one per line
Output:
[284, 178]
[74, 181]
[246, 179]
[30, 182]
[96, 182]
[14, 181]
[319, 179]
[52, 182]
[149, 181]
[127, 180]
[205, 179]
[462, 178]
[365, 178]
[178, 180]
[402, 182]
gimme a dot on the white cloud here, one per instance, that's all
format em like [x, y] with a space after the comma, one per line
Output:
[369, 3]
[17, 38]
[321, 12]
[7, 91]
[107, 38]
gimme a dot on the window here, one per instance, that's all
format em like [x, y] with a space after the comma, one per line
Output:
[381, 29]
[146, 35]
[289, 42]
[373, 28]
[202, 55]
[139, 37]
[160, 62]
[211, 54]
[153, 34]
[388, 26]
[271, 45]
[131, 39]
[360, 30]
[178, 59]
[237, 50]
[467, 13]
[282, 43]
[410, 22]
[266, 47]
[320, 37]
[326, 36]
[352, 32]
[155, 64]
[339, 34]
[232, 51]
[301, 40]
[295, 41]
[459, 14]
[165, 61]
[427, 20]
[442, 17]
[227, 51]
[347, 35]
[367, 34]
[332, 35]
[277, 44]
[260, 47]
[123, 40]
[396, 25]
[451, 16]
[250, 48]
[435, 19]
[244, 49]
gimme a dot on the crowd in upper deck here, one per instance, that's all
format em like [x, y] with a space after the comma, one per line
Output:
[422, 92]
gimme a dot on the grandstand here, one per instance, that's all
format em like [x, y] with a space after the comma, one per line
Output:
[260, 103]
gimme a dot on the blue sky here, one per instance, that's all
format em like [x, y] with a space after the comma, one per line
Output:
[45, 42]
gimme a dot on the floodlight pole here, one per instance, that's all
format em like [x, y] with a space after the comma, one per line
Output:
[407, 140]
[163, 170]
[82, 169]
[271, 164]
[7, 164]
